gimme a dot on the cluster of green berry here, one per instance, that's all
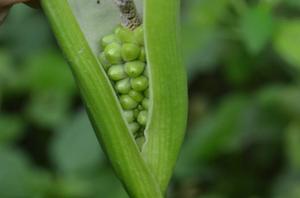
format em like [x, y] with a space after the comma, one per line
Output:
[124, 60]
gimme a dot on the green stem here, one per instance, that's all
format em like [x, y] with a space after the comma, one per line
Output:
[101, 103]
[169, 88]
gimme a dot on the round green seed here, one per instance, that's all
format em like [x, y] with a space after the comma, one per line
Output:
[127, 102]
[125, 35]
[139, 35]
[116, 72]
[123, 86]
[142, 56]
[142, 118]
[106, 40]
[113, 53]
[134, 127]
[139, 83]
[130, 51]
[104, 62]
[129, 116]
[135, 68]
[145, 103]
[137, 96]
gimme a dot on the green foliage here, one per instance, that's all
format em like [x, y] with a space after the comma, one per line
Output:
[287, 41]
[256, 26]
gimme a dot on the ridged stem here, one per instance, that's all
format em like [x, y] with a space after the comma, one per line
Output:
[101, 103]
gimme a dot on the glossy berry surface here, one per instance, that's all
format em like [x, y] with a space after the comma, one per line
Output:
[123, 57]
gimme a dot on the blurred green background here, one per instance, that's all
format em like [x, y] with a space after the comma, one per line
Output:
[243, 140]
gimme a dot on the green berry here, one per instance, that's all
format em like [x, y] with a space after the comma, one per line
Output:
[135, 68]
[134, 127]
[139, 83]
[104, 62]
[129, 116]
[142, 56]
[125, 35]
[123, 86]
[145, 103]
[142, 118]
[105, 41]
[113, 53]
[127, 102]
[147, 93]
[137, 96]
[139, 35]
[130, 51]
[116, 72]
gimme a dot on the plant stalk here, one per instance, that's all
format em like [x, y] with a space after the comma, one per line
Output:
[130, 17]
[101, 103]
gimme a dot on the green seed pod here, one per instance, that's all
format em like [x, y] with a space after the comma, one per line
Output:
[142, 56]
[129, 116]
[137, 96]
[145, 103]
[139, 83]
[130, 51]
[123, 86]
[104, 62]
[134, 127]
[125, 35]
[127, 102]
[116, 72]
[105, 41]
[142, 118]
[146, 73]
[140, 141]
[113, 53]
[135, 68]
[139, 35]
[147, 93]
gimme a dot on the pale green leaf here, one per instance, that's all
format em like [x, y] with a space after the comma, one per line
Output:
[287, 42]
[256, 26]
[74, 142]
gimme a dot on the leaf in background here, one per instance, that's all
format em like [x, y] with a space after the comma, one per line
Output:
[202, 41]
[74, 149]
[256, 26]
[292, 3]
[18, 179]
[48, 109]
[9, 76]
[213, 135]
[6, 72]
[287, 41]
[287, 186]
[239, 69]
[48, 71]
[282, 100]
[11, 128]
[77, 155]
[25, 32]
[293, 145]
[96, 185]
